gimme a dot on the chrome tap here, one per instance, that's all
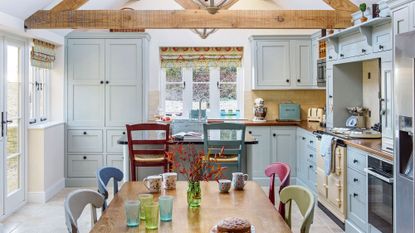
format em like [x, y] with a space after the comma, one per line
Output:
[200, 107]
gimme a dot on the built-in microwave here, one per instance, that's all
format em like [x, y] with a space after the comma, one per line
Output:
[321, 72]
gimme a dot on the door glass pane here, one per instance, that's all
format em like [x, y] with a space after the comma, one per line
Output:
[13, 86]
[228, 89]
[174, 91]
[13, 174]
[201, 78]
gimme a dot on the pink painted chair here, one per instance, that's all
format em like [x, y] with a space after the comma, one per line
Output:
[282, 170]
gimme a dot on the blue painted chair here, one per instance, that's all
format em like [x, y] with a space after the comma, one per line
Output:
[104, 175]
[230, 137]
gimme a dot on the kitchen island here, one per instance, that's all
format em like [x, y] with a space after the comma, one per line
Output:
[197, 141]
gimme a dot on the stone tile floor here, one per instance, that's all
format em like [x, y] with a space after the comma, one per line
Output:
[50, 218]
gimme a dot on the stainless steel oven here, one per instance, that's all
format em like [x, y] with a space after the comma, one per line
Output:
[321, 73]
[380, 195]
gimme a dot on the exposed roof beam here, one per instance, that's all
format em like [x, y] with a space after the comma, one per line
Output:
[188, 19]
[68, 5]
[342, 5]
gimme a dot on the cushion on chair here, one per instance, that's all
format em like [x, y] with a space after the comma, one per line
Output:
[149, 158]
[224, 159]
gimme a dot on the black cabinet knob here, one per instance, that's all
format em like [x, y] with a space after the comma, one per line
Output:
[355, 161]
[102, 82]
[85, 157]
[330, 96]
[123, 133]
[355, 194]
[84, 133]
[303, 138]
[311, 155]
[250, 132]
[299, 80]
[330, 57]
[381, 47]
[107, 82]
[355, 180]
[288, 81]
[274, 135]
[341, 55]
[311, 142]
[363, 50]
[311, 166]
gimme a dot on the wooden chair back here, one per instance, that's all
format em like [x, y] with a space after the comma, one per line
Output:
[305, 201]
[76, 202]
[283, 171]
[104, 175]
[226, 137]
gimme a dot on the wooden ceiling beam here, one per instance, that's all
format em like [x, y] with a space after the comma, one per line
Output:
[68, 5]
[342, 5]
[188, 19]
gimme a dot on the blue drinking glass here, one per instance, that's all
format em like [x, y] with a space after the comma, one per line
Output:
[132, 213]
[166, 208]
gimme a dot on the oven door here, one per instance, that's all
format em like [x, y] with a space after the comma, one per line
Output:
[380, 201]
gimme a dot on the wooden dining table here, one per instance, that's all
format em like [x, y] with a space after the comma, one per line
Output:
[251, 204]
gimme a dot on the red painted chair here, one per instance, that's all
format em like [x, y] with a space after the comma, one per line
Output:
[282, 170]
[148, 150]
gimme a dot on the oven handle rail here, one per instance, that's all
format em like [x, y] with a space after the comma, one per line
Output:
[370, 171]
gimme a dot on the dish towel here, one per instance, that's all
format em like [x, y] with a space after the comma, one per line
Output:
[326, 152]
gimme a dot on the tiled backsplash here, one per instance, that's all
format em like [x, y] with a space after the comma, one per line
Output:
[306, 98]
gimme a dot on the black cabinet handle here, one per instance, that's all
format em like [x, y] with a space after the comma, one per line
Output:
[303, 138]
[341, 55]
[330, 96]
[311, 155]
[311, 166]
[288, 81]
[250, 132]
[381, 47]
[84, 132]
[355, 161]
[85, 157]
[107, 82]
[123, 133]
[363, 50]
[355, 194]
[311, 142]
[299, 80]
[274, 135]
[355, 180]
[102, 82]
[330, 57]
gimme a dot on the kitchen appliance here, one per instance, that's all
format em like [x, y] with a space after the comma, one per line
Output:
[321, 72]
[260, 111]
[347, 133]
[315, 114]
[289, 112]
[404, 113]
[357, 118]
[380, 195]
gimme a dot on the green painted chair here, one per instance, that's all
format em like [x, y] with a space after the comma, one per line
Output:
[230, 137]
[305, 202]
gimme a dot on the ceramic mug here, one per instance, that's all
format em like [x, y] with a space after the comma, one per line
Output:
[239, 180]
[153, 183]
[224, 185]
[169, 180]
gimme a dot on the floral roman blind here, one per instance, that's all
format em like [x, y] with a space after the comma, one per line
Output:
[201, 56]
[42, 54]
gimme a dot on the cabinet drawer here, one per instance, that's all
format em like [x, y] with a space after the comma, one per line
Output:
[356, 181]
[356, 159]
[115, 161]
[357, 208]
[83, 166]
[112, 138]
[84, 141]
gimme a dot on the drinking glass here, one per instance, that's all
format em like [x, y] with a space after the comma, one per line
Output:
[144, 199]
[166, 208]
[152, 215]
[132, 212]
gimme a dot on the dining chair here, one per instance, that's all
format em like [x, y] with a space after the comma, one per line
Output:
[283, 171]
[148, 144]
[305, 202]
[227, 136]
[104, 175]
[75, 203]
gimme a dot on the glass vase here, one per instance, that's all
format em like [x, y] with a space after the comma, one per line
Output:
[194, 194]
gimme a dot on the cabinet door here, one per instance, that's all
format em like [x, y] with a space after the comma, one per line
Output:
[84, 141]
[300, 54]
[259, 155]
[329, 99]
[387, 100]
[273, 64]
[284, 147]
[85, 82]
[123, 82]
[115, 161]
[83, 166]
[401, 20]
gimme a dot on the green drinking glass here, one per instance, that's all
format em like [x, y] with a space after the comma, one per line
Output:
[152, 215]
[144, 199]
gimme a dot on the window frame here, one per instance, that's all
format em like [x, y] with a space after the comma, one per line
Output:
[214, 92]
[39, 87]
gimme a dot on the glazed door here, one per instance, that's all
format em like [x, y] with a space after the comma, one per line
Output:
[12, 126]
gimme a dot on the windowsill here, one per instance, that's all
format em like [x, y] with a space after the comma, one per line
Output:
[45, 125]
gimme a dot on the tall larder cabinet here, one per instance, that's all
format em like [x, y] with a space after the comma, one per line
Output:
[106, 88]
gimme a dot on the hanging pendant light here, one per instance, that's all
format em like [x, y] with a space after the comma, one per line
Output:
[212, 6]
[204, 33]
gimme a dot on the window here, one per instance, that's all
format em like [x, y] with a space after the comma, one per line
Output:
[217, 87]
[38, 94]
